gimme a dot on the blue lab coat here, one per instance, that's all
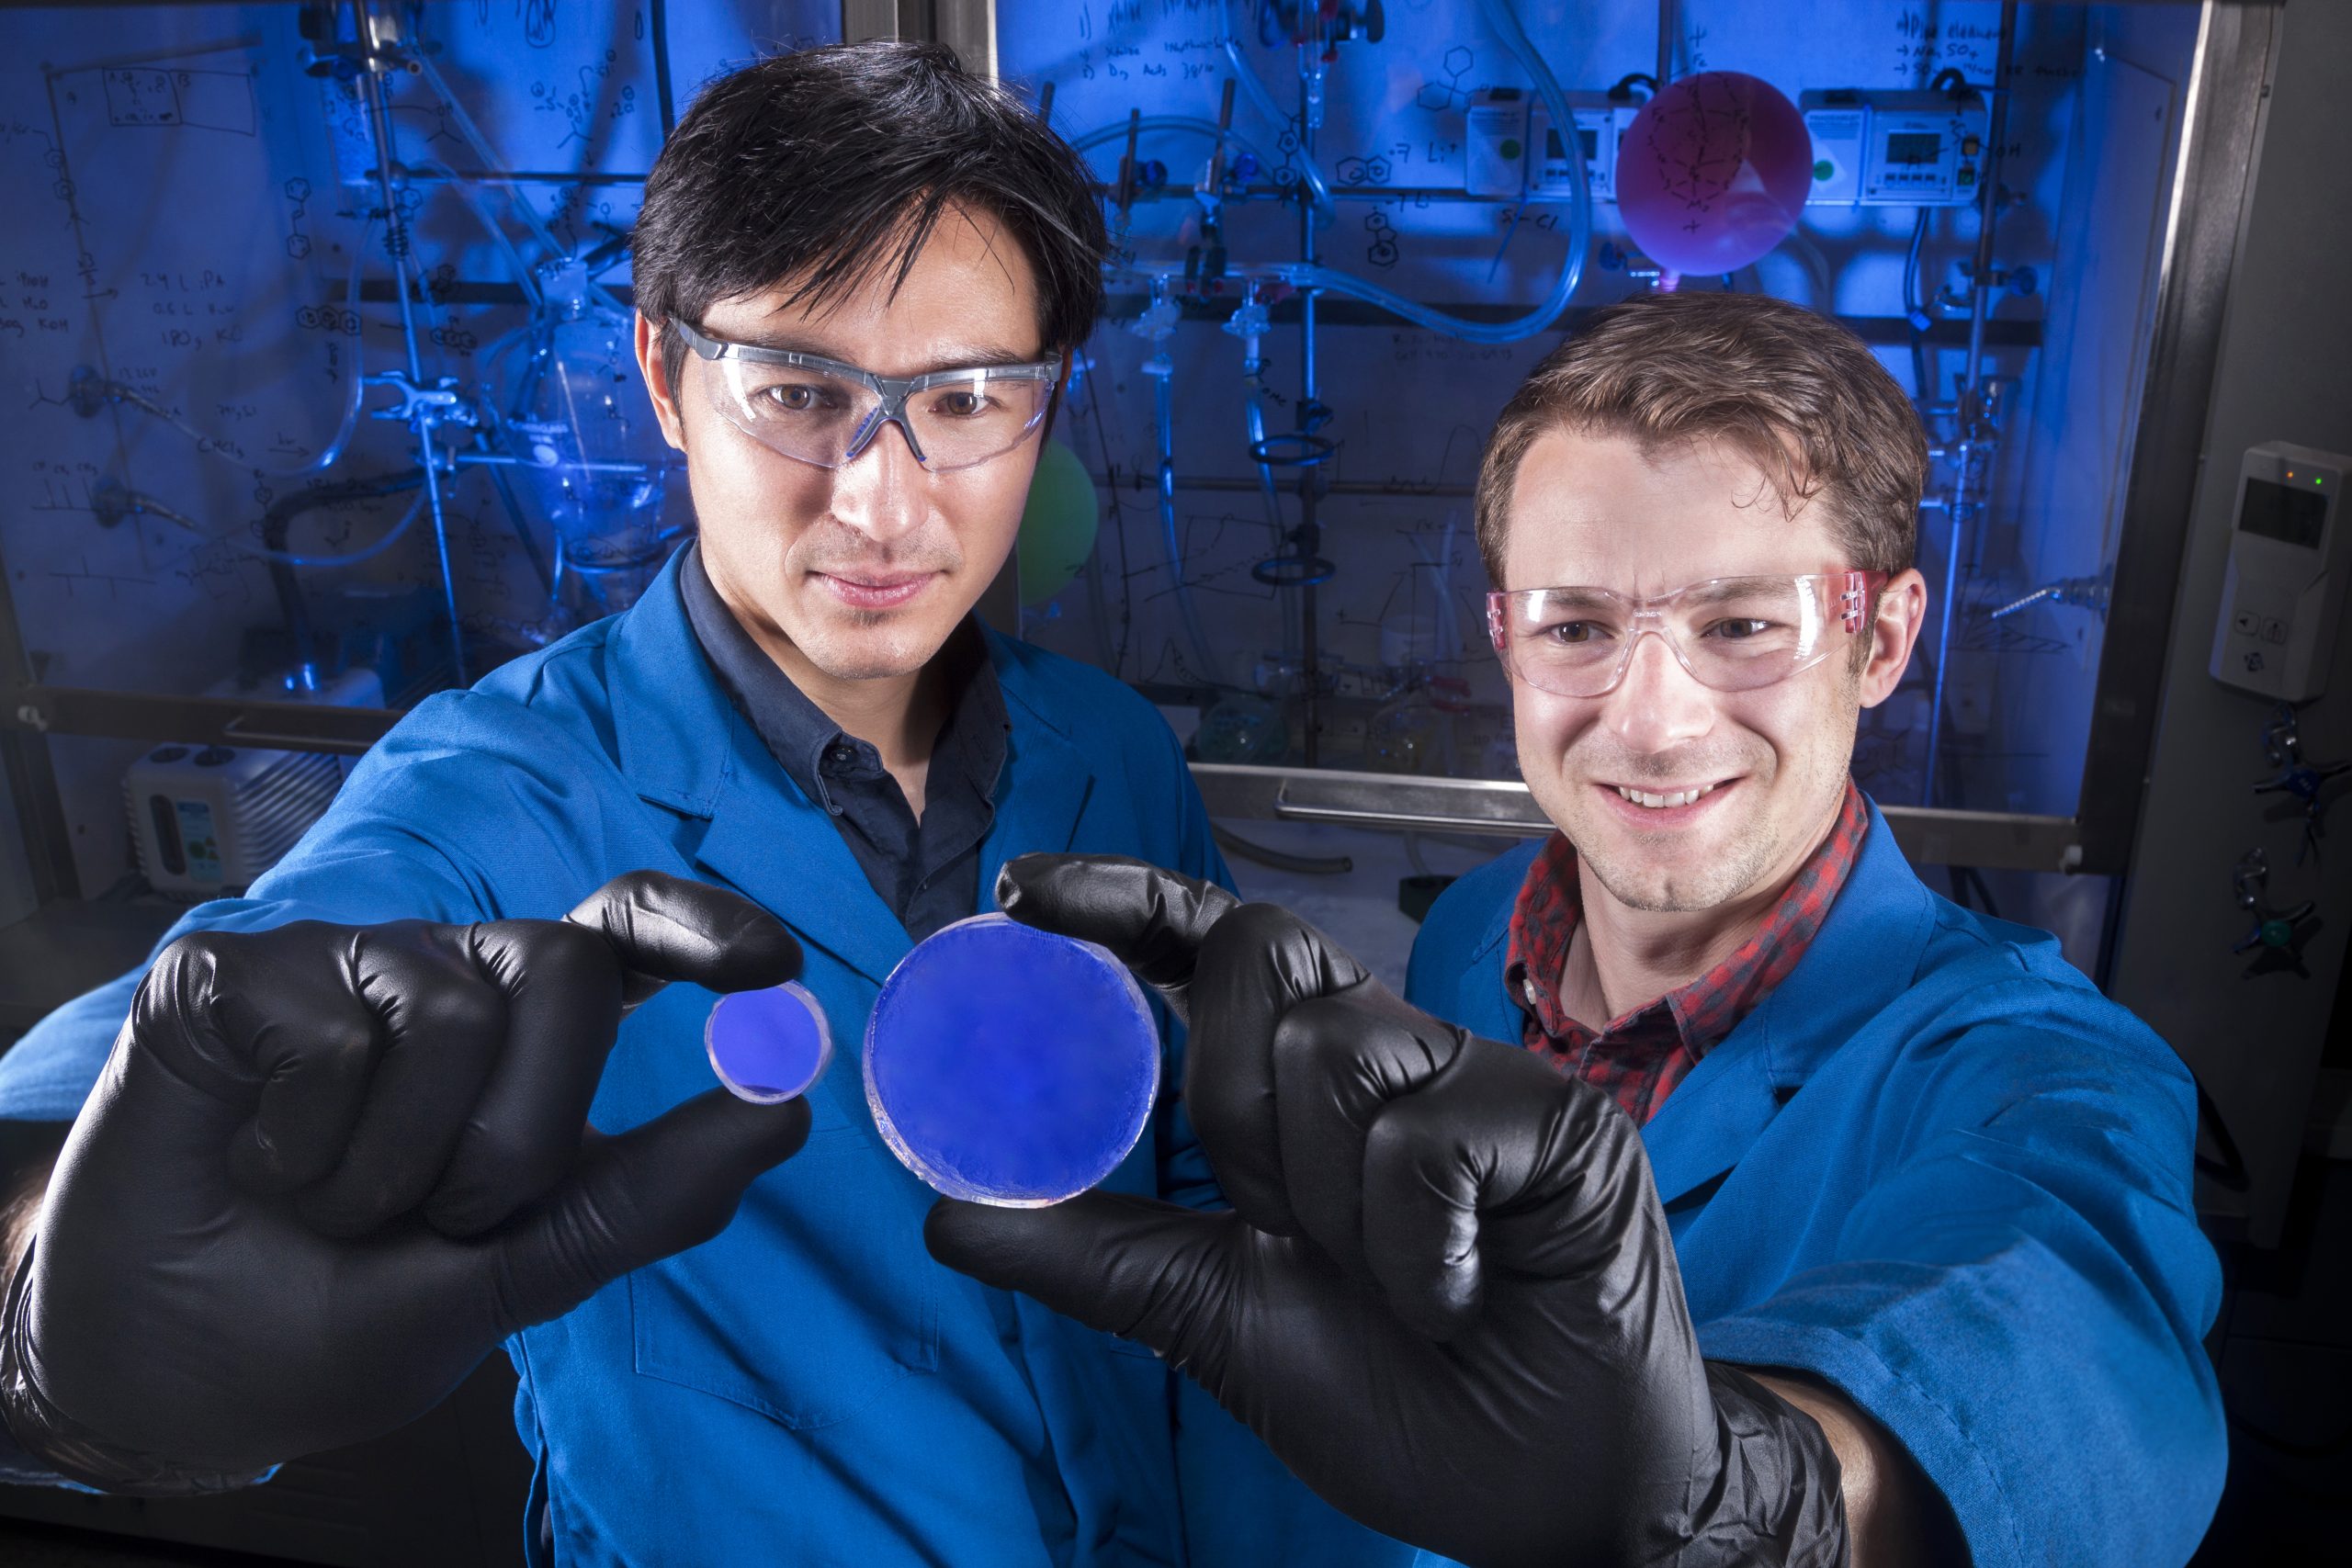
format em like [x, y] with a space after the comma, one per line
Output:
[1939, 1169]
[809, 1387]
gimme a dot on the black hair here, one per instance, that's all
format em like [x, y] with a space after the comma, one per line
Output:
[820, 167]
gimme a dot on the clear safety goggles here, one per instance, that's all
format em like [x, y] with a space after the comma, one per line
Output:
[1733, 634]
[826, 413]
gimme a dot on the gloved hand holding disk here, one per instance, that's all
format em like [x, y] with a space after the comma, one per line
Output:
[1010, 1066]
[329, 1168]
[1438, 1247]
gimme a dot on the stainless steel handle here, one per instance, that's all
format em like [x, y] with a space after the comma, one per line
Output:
[237, 731]
[1289, 810]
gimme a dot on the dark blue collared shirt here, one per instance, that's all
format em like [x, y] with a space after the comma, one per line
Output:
[927, 872]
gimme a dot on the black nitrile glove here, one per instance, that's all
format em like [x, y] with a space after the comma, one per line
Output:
[328, 1169]
[1447, 1297]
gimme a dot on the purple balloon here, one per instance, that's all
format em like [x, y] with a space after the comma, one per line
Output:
[1714, 173]
[768, 1045]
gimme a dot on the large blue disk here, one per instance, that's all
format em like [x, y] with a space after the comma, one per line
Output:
[1009, 1065]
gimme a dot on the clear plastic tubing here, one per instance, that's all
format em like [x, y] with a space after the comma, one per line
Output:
[1246, 74]
[1198, 127]
[1010, 1066]
[1504, 21]
[1164, 425]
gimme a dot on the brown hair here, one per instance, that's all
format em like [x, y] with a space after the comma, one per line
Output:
[1795, 392]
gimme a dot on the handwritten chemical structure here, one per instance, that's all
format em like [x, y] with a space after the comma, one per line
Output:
[298, 243]
[1449, 96]
[203, 100]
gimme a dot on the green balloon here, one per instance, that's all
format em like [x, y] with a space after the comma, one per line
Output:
[1057, 525]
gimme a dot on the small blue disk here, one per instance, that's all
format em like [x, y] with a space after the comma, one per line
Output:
[1010, 1066]
[768, 1045]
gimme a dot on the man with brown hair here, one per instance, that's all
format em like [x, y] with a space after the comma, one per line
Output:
[1743, 1200]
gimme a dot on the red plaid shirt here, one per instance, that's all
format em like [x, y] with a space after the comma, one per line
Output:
[1639, 1058]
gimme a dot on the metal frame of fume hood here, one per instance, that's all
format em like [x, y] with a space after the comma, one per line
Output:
[2213, 178]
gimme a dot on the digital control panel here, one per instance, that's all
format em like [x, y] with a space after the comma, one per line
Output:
[2283, 593]
[1602, 124]
[1898, 149]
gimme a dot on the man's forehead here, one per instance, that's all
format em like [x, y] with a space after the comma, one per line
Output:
[1604, 511]
[966, 296]
[959, 352]
[891, 343]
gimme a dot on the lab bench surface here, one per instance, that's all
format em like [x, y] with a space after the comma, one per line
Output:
[447, 1489]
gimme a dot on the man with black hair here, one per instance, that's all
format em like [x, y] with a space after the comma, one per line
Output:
[332, 1161]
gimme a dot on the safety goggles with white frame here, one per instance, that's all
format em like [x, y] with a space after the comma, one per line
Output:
[1731, 634]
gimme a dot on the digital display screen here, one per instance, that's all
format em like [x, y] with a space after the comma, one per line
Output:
[1591, 139]
[1913, 147]
[2279, 512]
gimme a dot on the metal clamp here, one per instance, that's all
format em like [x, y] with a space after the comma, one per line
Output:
[440, 403]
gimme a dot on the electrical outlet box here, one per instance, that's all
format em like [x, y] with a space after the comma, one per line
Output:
[1494, 150]
[2283, 593]
[1837, 122]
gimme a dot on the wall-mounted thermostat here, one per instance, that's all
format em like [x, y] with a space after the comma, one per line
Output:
[2284, 591]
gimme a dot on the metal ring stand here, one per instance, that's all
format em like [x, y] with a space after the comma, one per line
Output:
[1295, 450]
[1294, 571]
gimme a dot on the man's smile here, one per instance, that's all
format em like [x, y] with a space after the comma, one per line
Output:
[1669, 806]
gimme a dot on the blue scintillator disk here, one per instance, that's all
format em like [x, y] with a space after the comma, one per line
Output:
[768, 1045]
[1009, 1065]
